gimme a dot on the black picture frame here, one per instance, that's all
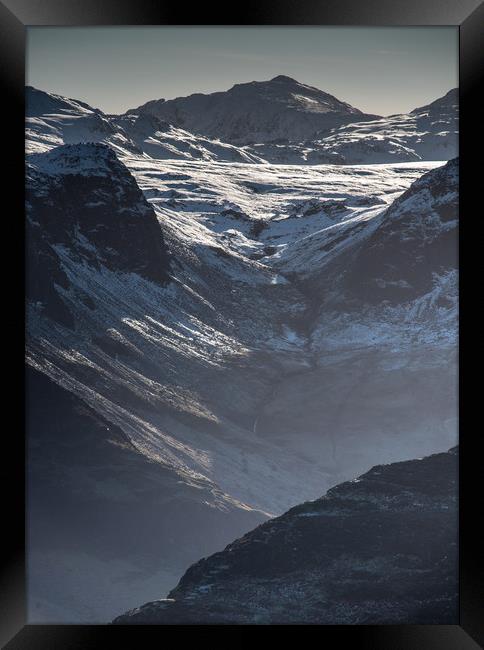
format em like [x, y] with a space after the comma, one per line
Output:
[15, 16]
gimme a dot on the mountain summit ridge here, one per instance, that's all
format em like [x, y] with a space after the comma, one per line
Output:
[257, 111]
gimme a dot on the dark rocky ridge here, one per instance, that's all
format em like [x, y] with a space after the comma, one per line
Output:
[416, 240]
[83, 199]
[378, 550]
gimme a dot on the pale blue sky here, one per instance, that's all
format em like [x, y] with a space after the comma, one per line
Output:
[381, 70]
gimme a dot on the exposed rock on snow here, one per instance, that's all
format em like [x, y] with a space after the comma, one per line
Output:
[80, 198]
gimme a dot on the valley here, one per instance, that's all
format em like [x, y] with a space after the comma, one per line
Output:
[221, 316]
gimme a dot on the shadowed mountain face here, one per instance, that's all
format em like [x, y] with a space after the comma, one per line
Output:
[259, 111]
[103, 516]
[415, 244]
[379, 549]
[81, 199]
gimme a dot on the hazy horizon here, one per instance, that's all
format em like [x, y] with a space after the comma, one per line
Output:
[378, 70]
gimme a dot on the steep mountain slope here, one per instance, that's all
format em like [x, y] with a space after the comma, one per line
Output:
[381, 549]
[82, 198]
[416, 244]
[259, 111]
[106, 525]
[89, 480]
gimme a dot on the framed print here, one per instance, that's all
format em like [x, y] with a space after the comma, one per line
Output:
[244, 287]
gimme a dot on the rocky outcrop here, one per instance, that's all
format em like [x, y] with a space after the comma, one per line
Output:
[416, 242]
[82, 200]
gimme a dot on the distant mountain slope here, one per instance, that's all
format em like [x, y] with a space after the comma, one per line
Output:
[52, 120]
[427, 133]
[278, 121]
[415, 246]
[381, 549]
[162, 140]
[259, 111]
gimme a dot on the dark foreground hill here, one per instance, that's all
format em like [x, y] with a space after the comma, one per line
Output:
[381, 549]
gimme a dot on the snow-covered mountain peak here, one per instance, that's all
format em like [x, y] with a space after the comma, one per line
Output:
[295, 94]
[449, 102]
[87, 158]
[258, 111]
[282, 78]
[39, 102]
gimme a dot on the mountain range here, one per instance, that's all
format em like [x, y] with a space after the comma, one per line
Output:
[277, 121]
[223, 337]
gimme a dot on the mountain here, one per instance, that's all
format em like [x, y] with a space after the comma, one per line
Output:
[281, 109]
[415, 247]
[286, 122]
[52, 120]
[80, 198]
[427, 133]
[279, 121]
[208, 311]
[381, 549]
